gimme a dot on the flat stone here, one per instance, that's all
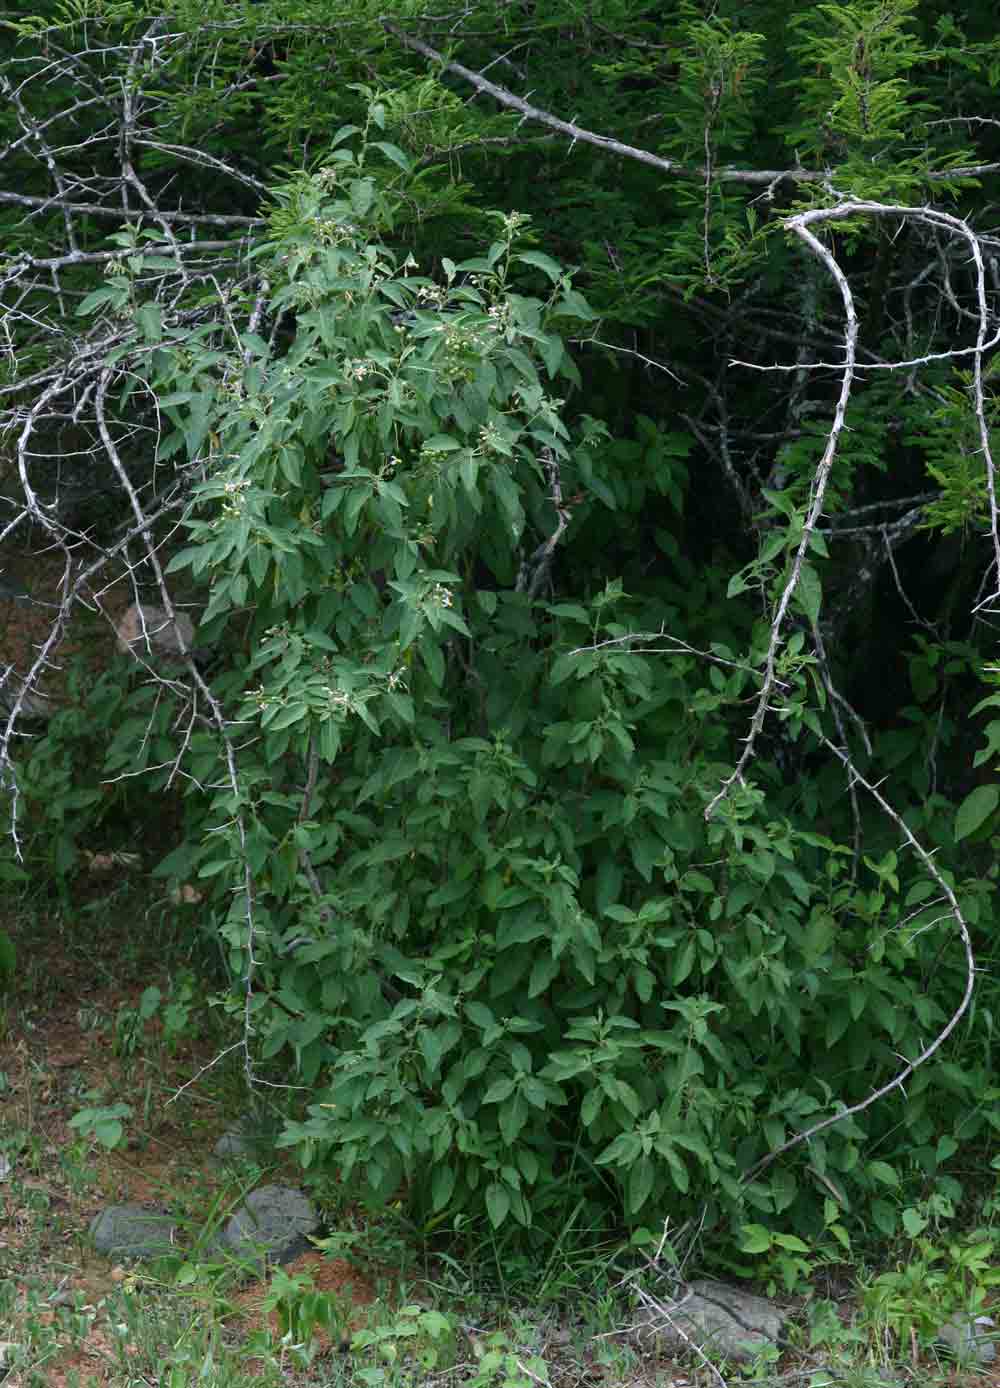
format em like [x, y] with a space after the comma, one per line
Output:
[32, 703]
[246, 1140]
[147, 629]
[970, 1338]
[849, 1373]
[274, 1222]
[723, 1321]
[132, 1231]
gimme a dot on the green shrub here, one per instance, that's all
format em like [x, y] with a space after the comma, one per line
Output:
[452, 816]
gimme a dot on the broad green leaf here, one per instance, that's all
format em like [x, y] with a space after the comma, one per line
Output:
[394, 153]
[809, 592]
[497, 1203]
[886, 1218]
[499, 1091]
[975, 809]
[641, 1180]
[94, 300]
[883, 1172]
[914, 1222]
[442, 1186]
[541, 262]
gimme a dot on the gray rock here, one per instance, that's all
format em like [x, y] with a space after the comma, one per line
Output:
[273, 1223]
[722, 1321]
[147, 630]
[246, 1140]
[234, 1142]
[970, 1338]
[30, 703]
[851, 1375]
[132, 1231]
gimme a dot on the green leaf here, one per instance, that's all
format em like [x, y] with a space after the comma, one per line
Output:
[593, 1102]
[433, 659]
[886, 1218]
[754, 1238]
[196, 426]
[679, 1171]
[541, 262]
[641, 1179]
[499, 1090]
[394, 153]
[838, 1019]
[914, 1222]
[543, 971]
[103, 1123]
[512, 1119]
[571, 610]
[883, 1172]
[94, 300]
[150, 321]
[791, 1243]
[819, 935]
[497, 1203]
[623, 1151]
[975, 809]
[284, 717]
[481, 1016]
[809, 592]
[442, 1186]
[529, 1164]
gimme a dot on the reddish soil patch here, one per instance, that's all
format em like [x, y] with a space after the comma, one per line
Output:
[55, 1055]
[348, 1288]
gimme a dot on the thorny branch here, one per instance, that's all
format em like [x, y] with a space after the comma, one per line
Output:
[73, 432]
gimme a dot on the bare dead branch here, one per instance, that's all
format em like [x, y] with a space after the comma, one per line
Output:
[800, 225]
[128, 214]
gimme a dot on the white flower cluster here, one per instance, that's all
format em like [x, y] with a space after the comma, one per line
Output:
[431, 295]
[339, 701]
[490, 438]
[235, 490]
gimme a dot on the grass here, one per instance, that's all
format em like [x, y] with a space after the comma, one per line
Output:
[107, 1008]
